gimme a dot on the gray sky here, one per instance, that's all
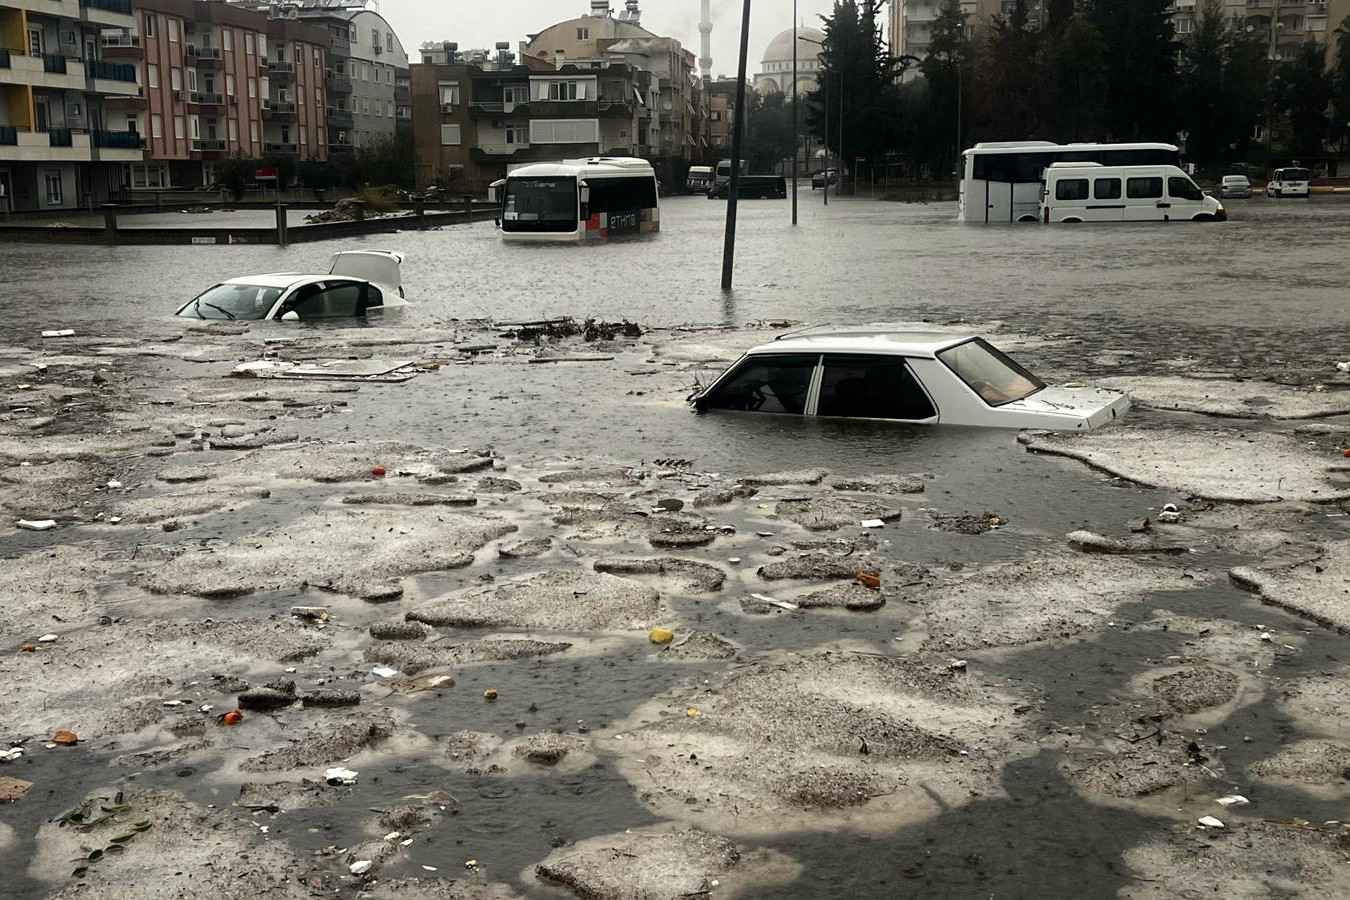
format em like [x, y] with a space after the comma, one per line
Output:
[475, 23]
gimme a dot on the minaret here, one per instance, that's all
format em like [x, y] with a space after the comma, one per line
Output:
[705, 29]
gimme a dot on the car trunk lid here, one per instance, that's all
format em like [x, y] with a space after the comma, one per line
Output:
[381, 267]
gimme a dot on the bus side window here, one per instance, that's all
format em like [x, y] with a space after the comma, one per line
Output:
[1106, 189]
[1071, 189]
[1144, 188]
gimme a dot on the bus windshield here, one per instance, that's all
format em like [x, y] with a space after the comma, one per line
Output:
[540, 204]
[996, 378]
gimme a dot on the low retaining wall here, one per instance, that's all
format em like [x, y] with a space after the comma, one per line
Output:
[207, 235]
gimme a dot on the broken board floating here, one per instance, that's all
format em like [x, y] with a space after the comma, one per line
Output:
[386, 371]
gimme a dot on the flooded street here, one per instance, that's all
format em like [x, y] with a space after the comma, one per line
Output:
[1051, 706]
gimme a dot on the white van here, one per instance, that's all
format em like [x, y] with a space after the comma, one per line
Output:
[1090, 192]
[1288, 183]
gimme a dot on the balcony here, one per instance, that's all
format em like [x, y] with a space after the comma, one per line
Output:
[4, 58]
[281, 69]
[209, 148]
[337, 82]
[117, 146]
[275, 110]
[554, 109]
[282, 149]
[340, 46]
[111, 78]
[339, 117]
[201, 98]
[61, 145]
[339, 148]
[123, 46]
[204, 57]
[54, 64]
[115, 13]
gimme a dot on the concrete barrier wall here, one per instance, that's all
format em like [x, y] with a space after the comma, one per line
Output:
[297, 233]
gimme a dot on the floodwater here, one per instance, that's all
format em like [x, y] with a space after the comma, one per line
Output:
[1261, 295]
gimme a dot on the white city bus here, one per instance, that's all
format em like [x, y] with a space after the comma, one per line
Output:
[579, 200]
[1001, 182]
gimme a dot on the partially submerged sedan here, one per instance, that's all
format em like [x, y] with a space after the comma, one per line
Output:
[918, 377]
[357, 282]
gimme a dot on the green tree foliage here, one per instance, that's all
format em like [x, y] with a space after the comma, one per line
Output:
[1221, 88]
[1303, 88]
[860, 77]
[1340, 90]
[946, 71]
[1140, 67]
[1009, 80]
[769, 136]
[1075, 71]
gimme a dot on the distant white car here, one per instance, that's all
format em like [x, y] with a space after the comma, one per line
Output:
[1235, 186]
[917, 377]
[357, 282]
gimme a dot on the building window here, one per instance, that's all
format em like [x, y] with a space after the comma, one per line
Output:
[234, 131]
[351, 34]
[253, 131]
[157, 126]
[178, 130]
[449, 135]
[304, 137]
[515, 135]
[252, 88]
[152, 74]
[375, 38]
[365, 106]
[318, 97]
[583, 34]
[248, 42]
[227, 37]
[515, 93]
[176, 79]
[173, 30]
[449, 94]
[54, 193]
[379, 110]
[562, 90]
[149, 24]
[318, 58]
[389, 108]
[389, 75]
[229, 84]
[389, 40]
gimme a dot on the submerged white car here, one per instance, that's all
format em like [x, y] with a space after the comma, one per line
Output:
[918, 377]
[357, 282]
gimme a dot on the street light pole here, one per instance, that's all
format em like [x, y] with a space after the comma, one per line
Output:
[796, 132]
[826, 173]
[738, 128]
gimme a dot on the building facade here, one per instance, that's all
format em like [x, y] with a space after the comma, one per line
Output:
[295, 116]
[369, 91]
[473, 122]
[72, 118]
[1286, 26]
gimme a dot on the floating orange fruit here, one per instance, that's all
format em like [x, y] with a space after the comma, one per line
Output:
[65, 738]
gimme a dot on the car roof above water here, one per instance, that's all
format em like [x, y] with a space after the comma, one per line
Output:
[900, 343]
[284, 280]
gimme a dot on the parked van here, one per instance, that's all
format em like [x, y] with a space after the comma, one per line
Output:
[1091, 192]
[699, 179]
[1288, 183]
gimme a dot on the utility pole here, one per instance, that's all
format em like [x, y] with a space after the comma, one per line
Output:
[826, 186]
[738, 128]
[796, 130]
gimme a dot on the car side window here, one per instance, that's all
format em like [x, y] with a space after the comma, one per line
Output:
[327, 301]
[1106, 188]
[766, 383]
[1183, 189]
[872, 387]
[1072, 189]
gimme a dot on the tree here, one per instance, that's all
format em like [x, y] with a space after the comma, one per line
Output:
[1200, 93]
[1304, 92]
[1076, 71]
[1140, 63]
[943, 69]
[769, 137]
[1340, 89]
[859, 76]
[1007, 101]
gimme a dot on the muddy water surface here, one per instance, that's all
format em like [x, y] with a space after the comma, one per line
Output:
[1260, 296]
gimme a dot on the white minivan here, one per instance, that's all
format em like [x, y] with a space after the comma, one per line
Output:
[1090, 192]
[1288, 183]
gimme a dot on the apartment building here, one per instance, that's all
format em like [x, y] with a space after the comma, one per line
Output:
[911, 21]
[1285, 25]
[295, 114]
[71, 114]
[369, 91]
[666, 87]
[473, 122]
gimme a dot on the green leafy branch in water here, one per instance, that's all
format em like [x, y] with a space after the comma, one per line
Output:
[94, 812]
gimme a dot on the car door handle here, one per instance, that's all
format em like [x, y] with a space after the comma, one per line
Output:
[1164, 206]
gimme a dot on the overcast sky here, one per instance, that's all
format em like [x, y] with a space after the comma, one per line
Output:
[474, 23]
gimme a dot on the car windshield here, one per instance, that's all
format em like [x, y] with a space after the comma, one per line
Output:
[1295, 175]
[996, 378]
[233, 301]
